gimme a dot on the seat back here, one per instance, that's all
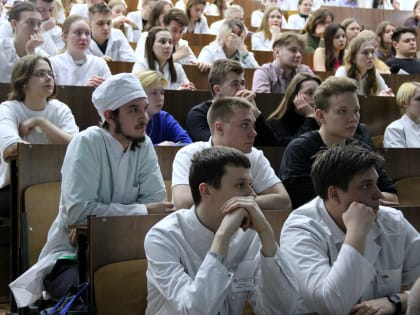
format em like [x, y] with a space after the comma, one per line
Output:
[41, 207]
[36, 164]
[408, 191]
[117, 264]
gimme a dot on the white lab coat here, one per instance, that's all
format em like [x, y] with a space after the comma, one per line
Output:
[201, 27]
[8, 58]
[118, 47]
[80, 9]
[402, 133]
[68, 73]
[258, 42]
[98, 178]
[189, 59]
[181, 76]
[53, 41]
[333, 276]
[183, 279]
[214, 51]
[132, 34]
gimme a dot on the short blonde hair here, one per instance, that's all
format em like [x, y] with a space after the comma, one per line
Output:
[150, 78]
[405, 92]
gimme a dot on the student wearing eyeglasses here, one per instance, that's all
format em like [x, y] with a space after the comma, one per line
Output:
[31, 115]
[26, 21]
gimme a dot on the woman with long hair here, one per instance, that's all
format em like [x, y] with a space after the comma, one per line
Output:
[384, 32]
[359, 64]
[31, 115]
[314, 30]
[75, 66]
[352, 28]
[197, 22]
[295, 113]
[257, 15]
[330, 57]
[162, 128]
[270, 27]
[156, 15]
[158, 51]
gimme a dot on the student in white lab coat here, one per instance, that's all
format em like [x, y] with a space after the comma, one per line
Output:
[223, 237]
[268, 30]
[25, 20]
[107, 42]
[229, 44]
[75, 66]
[109, 170]
[197, 22]
[405, 132]
[350, 254]
[159, 48]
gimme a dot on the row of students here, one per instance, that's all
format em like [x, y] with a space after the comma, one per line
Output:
[115, 100]
[277, 284]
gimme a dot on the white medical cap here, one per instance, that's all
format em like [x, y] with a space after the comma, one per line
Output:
[115, 92]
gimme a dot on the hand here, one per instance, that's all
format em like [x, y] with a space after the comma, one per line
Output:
[358, 218]
[319, 30]
[246, 94]
[35, 41]
[118, 21]
[107, 58]
[258, 222]
[250, 97]
[275, 30]
[95, 81]
[47, 24]
[180, 52]
[26, 127]
[187, 86]
[378, 306]
[387, 92]
[234, 41]
[232, 221]
[131, 23]
[388, 203]
[73, 237]
[302, 106]
[202, 66]
[160, 207]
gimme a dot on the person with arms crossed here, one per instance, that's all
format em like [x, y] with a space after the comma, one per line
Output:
[231, 122]
[221, 253]
[350, 254]
[108, 170]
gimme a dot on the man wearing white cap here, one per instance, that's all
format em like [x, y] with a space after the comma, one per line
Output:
[111, 170]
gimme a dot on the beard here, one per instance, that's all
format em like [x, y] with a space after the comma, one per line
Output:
[136, 141]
